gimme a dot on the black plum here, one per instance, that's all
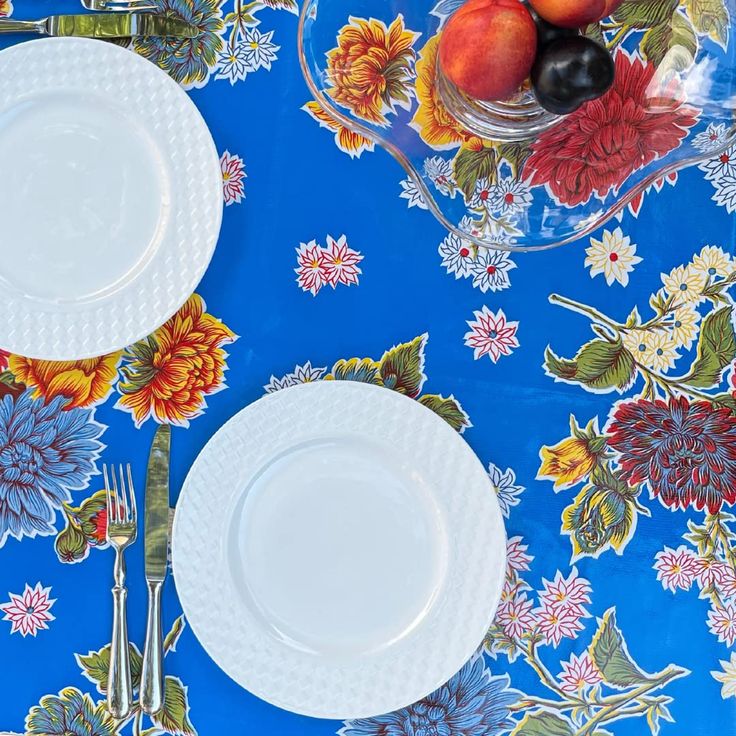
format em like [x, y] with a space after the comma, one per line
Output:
[571, 71]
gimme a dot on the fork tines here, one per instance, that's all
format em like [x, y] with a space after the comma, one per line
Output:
[121, 507]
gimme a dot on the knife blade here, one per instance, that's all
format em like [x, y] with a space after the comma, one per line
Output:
[112, 25]
[157, 550]
[157, 506]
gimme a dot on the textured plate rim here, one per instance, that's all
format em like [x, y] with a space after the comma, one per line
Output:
[489, 545]
[88, 327]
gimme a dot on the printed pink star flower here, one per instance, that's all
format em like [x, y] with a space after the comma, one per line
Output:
[676, 568]
[722, 623]
[341, 262]
[557, 623]
[312, 270]
[29, 611]
[516, 557]
[233, 173]
[578, 672]
[491, 334]
[568, 593]
[515, 616]
[727, 581]
[708, 571]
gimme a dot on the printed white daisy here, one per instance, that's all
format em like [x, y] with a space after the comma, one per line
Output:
[712, 138]
[507, 491]
[511, 196]
[276, 384]
[684, 329]
[411, 193]
[232, 63]
[712, 261]
[613, 255]
[685, 284]
[725, 194]
[656, 350]
[259, 51]
[483, 196]
[719, 166]
[439, 171]
[727, 677]
[491, 269]
[457, 255]
[307, 374]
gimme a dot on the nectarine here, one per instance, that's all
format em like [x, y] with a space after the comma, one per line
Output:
[570, 13]
[489, 50]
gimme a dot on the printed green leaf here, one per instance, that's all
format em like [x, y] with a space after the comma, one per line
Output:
[172, 638]
[644, 14]
[448, 408]
[595, 32]
[515, 154]
[610, 655]
[600, 365]
[174, 716]
[470, 166]
[71, 545]
[95, 666]
[710, 18]
[289, 5]
[364, 370]
[402, 367]
[660, 39]
[543, 723]
[727, 400]
[716, 350]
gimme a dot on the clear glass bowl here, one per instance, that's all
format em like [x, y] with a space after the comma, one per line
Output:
[510, 175]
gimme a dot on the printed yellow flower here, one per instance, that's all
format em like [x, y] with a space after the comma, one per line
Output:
[685, 326]
[571, 460]
[351, 143]
[6, 8]
[712, 261]
[435, 125]
[685, 284]
[656, 350]
[371, 67]
[727, 677]
[614, 256]
[83, 382]
[169, 374]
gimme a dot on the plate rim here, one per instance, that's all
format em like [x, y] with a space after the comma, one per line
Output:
[181, 547]
[49, 348]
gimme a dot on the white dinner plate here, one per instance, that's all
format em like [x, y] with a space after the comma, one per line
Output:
[338, 549]
[111, 198]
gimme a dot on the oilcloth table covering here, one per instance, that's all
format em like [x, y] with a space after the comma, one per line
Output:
[596, 383]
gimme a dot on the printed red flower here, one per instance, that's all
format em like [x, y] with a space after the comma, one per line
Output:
[570, 592]
[685, 452]
[516, 555]
[515, 616]
[606, 140]
[311, 272]
[491, 334]
[29, 611]
[676, 568]
[578, 672]
[722, 623]
[341, 262]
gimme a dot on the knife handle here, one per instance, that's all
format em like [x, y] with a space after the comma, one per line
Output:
[152, 677]
[21, 26]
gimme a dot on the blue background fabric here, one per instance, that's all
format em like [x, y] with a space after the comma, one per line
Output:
[300, 187]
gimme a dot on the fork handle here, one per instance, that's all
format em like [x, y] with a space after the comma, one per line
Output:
[119, 684]
[152, 677]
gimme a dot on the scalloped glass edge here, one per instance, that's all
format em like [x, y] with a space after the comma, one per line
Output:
[308, 13]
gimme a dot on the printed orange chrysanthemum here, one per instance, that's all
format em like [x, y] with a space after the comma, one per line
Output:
[431, 120]
[371, 68]
[168, 375]
[83, 382]
[351, 143]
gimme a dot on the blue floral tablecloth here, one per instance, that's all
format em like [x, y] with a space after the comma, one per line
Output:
[595, 381]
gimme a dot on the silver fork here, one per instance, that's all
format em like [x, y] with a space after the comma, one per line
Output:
[122, 520]
[119, 5]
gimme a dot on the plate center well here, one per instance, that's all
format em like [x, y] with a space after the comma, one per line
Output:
[84, 193]
[339, 547]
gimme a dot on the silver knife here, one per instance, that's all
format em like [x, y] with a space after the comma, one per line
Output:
[157, 550]
[102, 26]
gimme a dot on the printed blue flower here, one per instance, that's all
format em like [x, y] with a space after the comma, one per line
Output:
[188, 60]
[472, 702]
[45, 452]
[71, 713]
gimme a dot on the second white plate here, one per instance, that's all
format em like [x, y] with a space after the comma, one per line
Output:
[112, 198]
[338, 550]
